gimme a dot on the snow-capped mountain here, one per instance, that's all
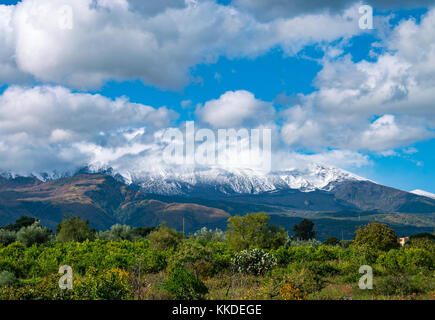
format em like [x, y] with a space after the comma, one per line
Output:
[185, 181]
[423, 193]
[239, 181]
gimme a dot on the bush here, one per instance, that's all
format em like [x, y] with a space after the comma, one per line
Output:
[423, 243]
[151, 261]
[6, 278]
[288, 292]
[7, 237]
[306, 281]
[46, 288]
[304, 243]
[183, 285]
[409, 260]
[322, 269]
[331, 241]
[254, 261]
[34, 234]
[189, 254]
[118, 233]
[165, 238]
[74, 230]
[209, 235]
[398, 285]
[113, 284]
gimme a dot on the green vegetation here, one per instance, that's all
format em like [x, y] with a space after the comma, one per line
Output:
[74, 229]
[252, 260]
[254, 231]
[304, 230]
[376, 236]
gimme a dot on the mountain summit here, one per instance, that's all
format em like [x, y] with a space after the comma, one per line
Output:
[239, 181]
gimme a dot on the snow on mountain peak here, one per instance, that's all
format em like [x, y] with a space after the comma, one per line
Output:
[239, 181]
[423, 193]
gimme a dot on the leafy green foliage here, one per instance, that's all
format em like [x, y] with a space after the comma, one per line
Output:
[408, 260]
[424, 235]
[331, 241]
[33, 234]
[7, 237]
[304, 230]
[112, 284]
[399, 285]
[118, 232]
[6, 278]
[183, 285]
[189, 254]
[74, 229]
[376, 236]
[209, 235]
[165, 238]
[21, 222]
[122, 265]
[254, 231]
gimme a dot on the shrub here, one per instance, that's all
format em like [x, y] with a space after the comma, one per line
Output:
[254, 261]
[46, 288]
[303, 243]
[331, 241]
[6, 278]
[306, 281]
[74, 229]
[189, 254]
[423, 243]
[151, 261]
[34, 234]
[288, 292]
[183, 285]
[118, 233]
[409, 260]
[209, 235]
[7, 237]
[112, 284]
[165, 238]
[321, 269]
[398, 285]
[363, 254]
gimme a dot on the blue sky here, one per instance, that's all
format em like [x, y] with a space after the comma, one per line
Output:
[383, 132]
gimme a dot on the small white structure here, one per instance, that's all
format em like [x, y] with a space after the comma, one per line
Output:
[403, 240]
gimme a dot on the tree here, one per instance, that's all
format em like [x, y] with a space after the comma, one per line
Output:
[331, 241]
[304, 230]
[424, 235]
[21, 222]
[143, 232]
[164, 238]
[253, 230]
[74, 229]
[376, 236]
[118, 232]
[209, 235]
[7, 237]
[34, 234]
